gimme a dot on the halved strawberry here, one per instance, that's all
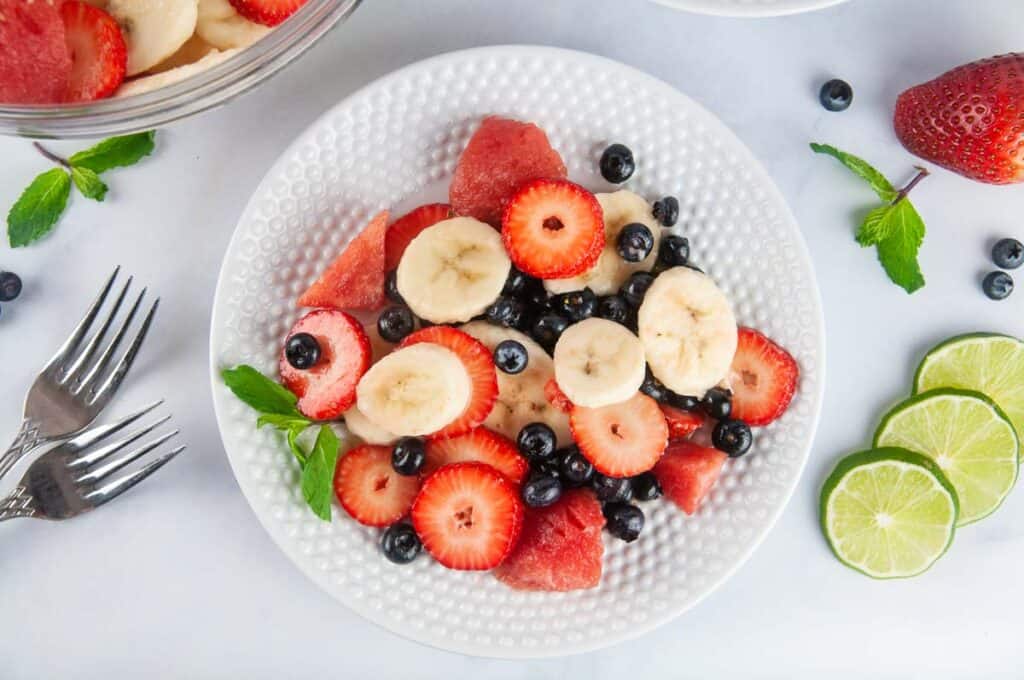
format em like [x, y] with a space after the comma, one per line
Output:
[34, 60]
[556, 397]
[480, 445]
[763, 378]
[687, 472]
[369, 488]
[553, 229]
[267, 12]
[407, 227]
[355, 280]
[328, 389]
[623, 439]
[560, 548]
[468, 516]
[99, 56]
[681, 424]
[479, 363]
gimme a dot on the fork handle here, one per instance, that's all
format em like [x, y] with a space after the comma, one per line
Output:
[18, 504]
[27, 439]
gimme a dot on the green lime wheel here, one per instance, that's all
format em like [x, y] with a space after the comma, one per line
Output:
[967, 435]
[888, 512]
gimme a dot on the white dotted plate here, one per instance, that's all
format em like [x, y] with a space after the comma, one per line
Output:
[395, 144]
[749, 8]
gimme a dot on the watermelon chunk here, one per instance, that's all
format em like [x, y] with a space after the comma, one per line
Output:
[501, 155]
[355, 280]
[35, 62]
[687, 472]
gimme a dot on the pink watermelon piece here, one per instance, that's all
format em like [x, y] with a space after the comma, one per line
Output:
[35, 63]
[687, 472]
[355, 280]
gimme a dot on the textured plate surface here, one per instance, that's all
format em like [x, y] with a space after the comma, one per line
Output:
[749, 8]
[395, 144]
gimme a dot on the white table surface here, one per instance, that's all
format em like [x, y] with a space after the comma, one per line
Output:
[180, 581]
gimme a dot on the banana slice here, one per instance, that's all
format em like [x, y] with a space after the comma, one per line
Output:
[688, 331]
[415, 390]
[158, 80]
[194, 49]
[153, 29]
[453, 270]
[611, 271]
[599, 363]
[364, 428]
[224, 28]
[521, 399]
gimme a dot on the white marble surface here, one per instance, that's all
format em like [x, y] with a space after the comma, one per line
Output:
[180, 580]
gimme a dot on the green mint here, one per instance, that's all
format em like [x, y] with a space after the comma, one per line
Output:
[116, 152]
[89, 183]
[35, 213]
[895, 228]
[260, 392]
[318, 473]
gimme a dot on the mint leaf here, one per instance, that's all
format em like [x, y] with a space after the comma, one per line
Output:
[259, 391]
[897, 250]
[862, 169]
[318, 473]
[115, 152]
[89, 183]
[291, 425]
[40, 206]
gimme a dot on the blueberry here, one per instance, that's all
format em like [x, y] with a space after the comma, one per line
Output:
[516, 282]
[391, 288]
[732, 437]
[396, 322]
[653, 388]
[574, 467]
[666, 211]
[302, 351]
[997, 285]
[511, 357]
[617, 164]
[635, 242]
[10, 286]
[836, 95]
[717, 403]
[546, 466]
[1008, 253]
[646, 487]
[575, 305]
[536, 441]
[634, 289]
[683, 402]
[505, 311]
[614, 308]
[547, 329]
[408, 455]
[612, 488]
[625, 521]
[400, 543]
[540, 491]
[674, 251]
[535, 295]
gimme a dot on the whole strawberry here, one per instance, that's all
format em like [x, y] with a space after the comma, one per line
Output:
[969, 120]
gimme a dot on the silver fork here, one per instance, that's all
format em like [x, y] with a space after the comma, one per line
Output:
[81, 378]
[78, 476]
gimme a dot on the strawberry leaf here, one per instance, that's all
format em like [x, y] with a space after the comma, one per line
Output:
[318, 473]
[36, 212]
[876, 180]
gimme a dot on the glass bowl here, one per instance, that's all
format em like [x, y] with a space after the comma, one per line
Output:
[213, 87]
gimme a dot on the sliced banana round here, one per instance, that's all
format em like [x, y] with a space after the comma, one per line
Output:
[364, 428]
[611, 271]
[521, 398]
[415, 390]
[157, 80]
[224, 28]
[688, 331]
[194, 49]
[153, 29]
[599, 363]
[453, 270]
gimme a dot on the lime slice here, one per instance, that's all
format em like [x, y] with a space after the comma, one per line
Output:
[983, 362]
[969, 437]
[889, 513]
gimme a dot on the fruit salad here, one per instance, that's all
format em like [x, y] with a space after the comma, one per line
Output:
[66, 51]
[524, 367]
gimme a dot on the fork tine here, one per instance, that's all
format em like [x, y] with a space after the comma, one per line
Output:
[82, 329]
[95, 434]
[85, 356]
[113, 466]
[117, 487]
[99, 454]
[104, 361]
[113, 381]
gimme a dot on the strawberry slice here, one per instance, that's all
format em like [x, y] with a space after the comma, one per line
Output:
[479, 363]
[267, 12]
[480, 445]
[369, 488]
[328, 389]
[501, 155]
[763, 378]
[556, 397]
[408, 226]
[687, 472]
[34, 59]
[560, 548]
[553, 229]
[468, 516]
[355, 280]
[99, 56]
[623, 439]
[681, 424]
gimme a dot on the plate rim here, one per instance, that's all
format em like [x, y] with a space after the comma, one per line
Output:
[782, 8]
[467, 648]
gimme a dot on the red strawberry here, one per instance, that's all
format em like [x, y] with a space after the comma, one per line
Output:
[553, 229]
[687, 472]
[623, 439]
[480, 445]
[99, 56]
[556, 397]
[267, 12]
[479, 363]
[407, 227]
[763, 378]
[681, 424]
[34, 59]
[369, 488]
[560, 547]
[328, 389]
[500, 156]
[468, 516]
[355, 280]
[969, 120]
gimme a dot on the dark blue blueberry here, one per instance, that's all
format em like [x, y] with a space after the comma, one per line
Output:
[505, 311]
[683, 402]
[516, 282]
[391, 288]
[614, 308]
[646, 487]
[836, 95]
[612, 488]
[546, 466]
[625, 521]
[511, 357]
[717, 403]
[666, 211]
[635, 242]
[547, 329]
[653, 388]
[10, 286]
[575, 305]
[997, 285]
[302, 351]
[408, 455]
[617, 163]
[1007, 253]
[732, 437]
[574, 467]
[674, 251]
[400, 543]
[634, 289]
[536, 441]
[542, 490]
[395, 322]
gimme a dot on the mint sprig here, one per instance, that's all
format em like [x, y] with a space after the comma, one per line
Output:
[40, 206]
[894, 228]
